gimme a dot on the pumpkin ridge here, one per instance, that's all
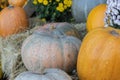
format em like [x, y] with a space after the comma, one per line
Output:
[51, 56]
[99, 59]
[113, 67]
[62, 49]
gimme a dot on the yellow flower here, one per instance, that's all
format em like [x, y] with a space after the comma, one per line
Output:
[45, 2]
[65, 6]
[69, 4]
[43, 20]
[65, 1]
[60, 9]
[40, 1]
[50, 0]
[35, 2]
[60, 5]
[57, 0]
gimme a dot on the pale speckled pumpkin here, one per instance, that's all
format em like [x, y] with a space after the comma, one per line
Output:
[50, 49]
[61, 27]
[49, 74]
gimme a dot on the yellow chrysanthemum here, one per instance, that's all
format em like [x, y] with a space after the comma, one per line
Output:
[57, 0]
[60, 9]
[65, 1]
[40, 1]
[45, 2]
[69, 4]
[50, 0]
[60, 5]
[35, 2]
[65, 6]
[43, 20]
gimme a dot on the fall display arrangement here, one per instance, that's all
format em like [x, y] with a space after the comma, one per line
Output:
[59, 40]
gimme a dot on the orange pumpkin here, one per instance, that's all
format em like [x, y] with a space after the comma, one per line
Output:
[19, 3]
[49, 48]
[96, 17]
[12, 20]
[99, 55]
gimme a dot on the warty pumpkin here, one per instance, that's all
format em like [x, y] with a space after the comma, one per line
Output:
[12, 20]
[19, 3]
[99, 55]
[81, 8]
[48, 74]
[96, 17]
[50, 49]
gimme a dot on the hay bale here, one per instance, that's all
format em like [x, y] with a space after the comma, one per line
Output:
[81, 27]
[10, 49]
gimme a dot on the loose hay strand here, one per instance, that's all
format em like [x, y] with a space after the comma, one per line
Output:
[10, 49]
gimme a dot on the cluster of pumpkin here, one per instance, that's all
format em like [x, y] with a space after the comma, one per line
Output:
[53, 46]
[99, 54]
[56, 47]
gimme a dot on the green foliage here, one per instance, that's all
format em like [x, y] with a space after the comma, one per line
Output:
[53, 10]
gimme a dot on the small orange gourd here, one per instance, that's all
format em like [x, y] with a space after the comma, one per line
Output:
[19, 3]
[96, 17]
[12, 20]
[99, 55]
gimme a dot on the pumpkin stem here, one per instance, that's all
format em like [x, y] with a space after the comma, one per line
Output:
[114, 33]
[10, 6]
[52, 28]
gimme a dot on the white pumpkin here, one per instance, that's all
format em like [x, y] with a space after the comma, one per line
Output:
[49, 74]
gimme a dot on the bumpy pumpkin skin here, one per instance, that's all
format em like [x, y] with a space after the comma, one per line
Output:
[12, 20]
[48, 49]
[99, 55]
[96, 17]
[49, 74]
[19, 3]
[61, 27]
